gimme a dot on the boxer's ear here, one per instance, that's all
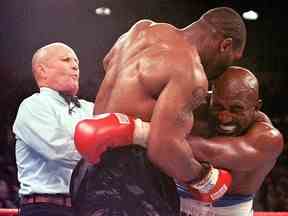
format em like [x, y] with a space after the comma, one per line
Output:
[226, 45]
[258, 104]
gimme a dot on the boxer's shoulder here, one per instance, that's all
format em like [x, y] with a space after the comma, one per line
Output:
[155, 30]
[265, 135]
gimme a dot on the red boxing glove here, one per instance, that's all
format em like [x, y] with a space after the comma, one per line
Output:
[93, 136]
[212, 187]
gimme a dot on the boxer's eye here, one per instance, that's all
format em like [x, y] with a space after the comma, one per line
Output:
[236, 109]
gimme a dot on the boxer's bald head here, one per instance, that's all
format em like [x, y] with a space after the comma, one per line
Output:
[238, 81]
[235, 100]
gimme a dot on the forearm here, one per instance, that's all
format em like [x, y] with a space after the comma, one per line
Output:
[226, 152]
[175, 158]
[207, 150]
[208, 185]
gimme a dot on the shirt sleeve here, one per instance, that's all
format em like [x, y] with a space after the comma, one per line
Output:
[88, 106]
[37, 126]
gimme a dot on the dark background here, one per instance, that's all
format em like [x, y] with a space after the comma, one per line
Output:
[26, 25]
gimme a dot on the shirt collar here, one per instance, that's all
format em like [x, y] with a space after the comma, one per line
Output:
[53, 93]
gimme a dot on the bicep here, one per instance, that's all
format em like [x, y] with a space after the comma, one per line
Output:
[173, 113]
[223, 152]
[172, 116]
[171, 121]
[250, 150]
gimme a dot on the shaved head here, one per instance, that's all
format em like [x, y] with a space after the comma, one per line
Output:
[56, 66]
[229, 23]
[235, 101]
[42, 54]
[220, 37]
[237, 79]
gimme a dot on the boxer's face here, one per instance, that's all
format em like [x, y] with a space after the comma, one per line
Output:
[62, 69]
[220, 64]
[233, 110]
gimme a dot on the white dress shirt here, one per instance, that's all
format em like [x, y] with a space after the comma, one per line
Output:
[45, 151]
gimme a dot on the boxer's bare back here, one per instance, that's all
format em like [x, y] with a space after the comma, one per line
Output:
[153, 73]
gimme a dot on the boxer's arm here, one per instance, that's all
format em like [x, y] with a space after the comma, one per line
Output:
[172, 118]
[171, 123]
[261, 143]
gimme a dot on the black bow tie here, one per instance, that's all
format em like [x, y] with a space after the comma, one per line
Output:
[71, 100]
[76, 101]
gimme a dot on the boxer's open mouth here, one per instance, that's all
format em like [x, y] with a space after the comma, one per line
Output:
[227, 128]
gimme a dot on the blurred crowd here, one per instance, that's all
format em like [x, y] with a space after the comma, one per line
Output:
[273, 195]
[8, 184]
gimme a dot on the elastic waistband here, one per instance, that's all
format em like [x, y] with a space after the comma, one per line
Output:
[226, 200]
[229, 200]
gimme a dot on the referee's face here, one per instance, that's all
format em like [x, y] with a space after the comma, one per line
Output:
[63, 70]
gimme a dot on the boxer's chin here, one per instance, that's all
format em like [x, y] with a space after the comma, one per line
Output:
[227, 130]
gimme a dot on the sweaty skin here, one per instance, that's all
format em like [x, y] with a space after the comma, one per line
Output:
[153, 73]
[246, 142]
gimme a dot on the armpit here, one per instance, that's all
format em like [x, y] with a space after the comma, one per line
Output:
[198, 97]
[184, 119]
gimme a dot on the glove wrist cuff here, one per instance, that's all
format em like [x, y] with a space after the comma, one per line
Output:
[208, 180]
[141, 131]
